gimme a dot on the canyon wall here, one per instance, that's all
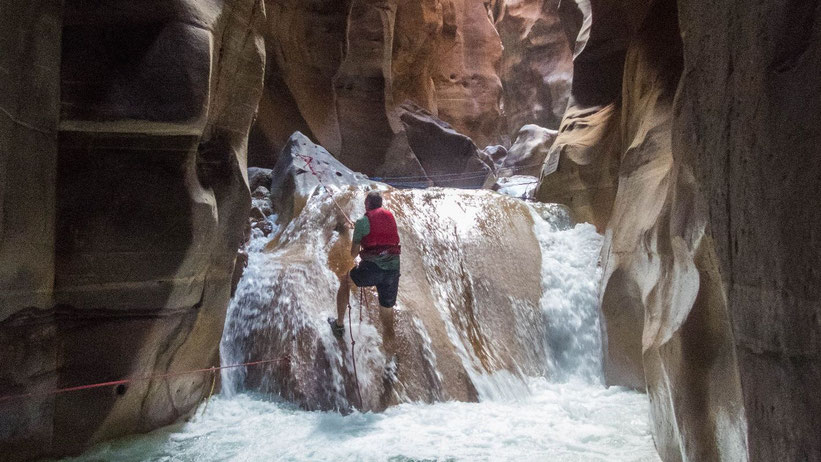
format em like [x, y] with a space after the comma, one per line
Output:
[340, 72]
[747, 122]
[124, 191]
[690, 147]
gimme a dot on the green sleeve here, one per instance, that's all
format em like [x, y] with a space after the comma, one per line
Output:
[361, 229]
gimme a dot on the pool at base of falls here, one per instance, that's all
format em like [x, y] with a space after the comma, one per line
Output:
[558, 421]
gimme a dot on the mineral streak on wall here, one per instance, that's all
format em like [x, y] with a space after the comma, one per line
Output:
[124, 130]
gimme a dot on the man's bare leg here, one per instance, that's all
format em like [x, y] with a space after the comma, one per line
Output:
[342, 298]
[386, 315]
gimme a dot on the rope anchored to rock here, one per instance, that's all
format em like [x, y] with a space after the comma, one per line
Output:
[138, 378]
[309, 163]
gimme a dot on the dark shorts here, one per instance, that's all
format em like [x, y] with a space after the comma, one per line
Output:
[369, 274]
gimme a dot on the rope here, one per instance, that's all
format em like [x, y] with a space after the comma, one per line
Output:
[353, 357]
[139, 378]
[210, 393]
[361, 300]
[309, 162]
[454, 176]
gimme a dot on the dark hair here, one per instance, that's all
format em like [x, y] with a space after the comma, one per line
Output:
[373, 200]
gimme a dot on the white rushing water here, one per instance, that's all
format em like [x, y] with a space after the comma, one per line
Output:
[558, 422]
[567, 416]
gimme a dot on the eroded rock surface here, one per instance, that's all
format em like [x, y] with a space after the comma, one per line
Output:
[124, 193]
[751, 69]
[537, 62]
[697, 292]
[529, 151]
[469, 321]
[340, 72]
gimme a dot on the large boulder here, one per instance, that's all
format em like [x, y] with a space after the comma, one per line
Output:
[448, 157]
[469, 312]
[124, 192]
[529, 151]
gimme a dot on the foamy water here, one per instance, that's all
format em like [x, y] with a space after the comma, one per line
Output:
[563, 422]
[567, 416]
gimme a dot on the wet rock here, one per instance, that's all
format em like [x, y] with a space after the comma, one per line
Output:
[494, 154]
[257, 214]
[263, 226]
[239, 268]
[305, 169]
[449, 346]
[261, 193]
[695, 228]
[518, 186]
[139, 236]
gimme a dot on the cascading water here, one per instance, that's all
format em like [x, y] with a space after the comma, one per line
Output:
[543, 402]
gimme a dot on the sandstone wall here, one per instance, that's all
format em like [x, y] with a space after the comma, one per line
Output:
[588, 144]
[124, 192]
[708, 262]
[339, 72]
[537, 62]
[748, 123]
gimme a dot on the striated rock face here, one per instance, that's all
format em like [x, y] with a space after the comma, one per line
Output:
[340, 72]
[701, 283]
[747, 125]
[588, 143]
[469, 320]
[537, 62]
[123, 195]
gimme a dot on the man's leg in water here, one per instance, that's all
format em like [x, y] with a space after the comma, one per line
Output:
[342, 298]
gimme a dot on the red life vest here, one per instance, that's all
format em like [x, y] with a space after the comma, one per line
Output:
[383, 239]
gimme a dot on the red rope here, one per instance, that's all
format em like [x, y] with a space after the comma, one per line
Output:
[308, 161]
[7, 398]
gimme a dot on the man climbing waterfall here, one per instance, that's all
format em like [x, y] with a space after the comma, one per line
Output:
[376, 241]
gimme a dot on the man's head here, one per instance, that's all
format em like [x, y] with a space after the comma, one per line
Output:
[373, 200]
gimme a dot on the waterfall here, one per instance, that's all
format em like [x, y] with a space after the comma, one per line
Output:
[570, 275]
[496, 333]
[458, 331]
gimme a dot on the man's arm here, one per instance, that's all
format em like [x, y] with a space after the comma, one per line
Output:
[361, 229]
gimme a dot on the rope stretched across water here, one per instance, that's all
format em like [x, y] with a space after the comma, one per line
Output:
[137, 378]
